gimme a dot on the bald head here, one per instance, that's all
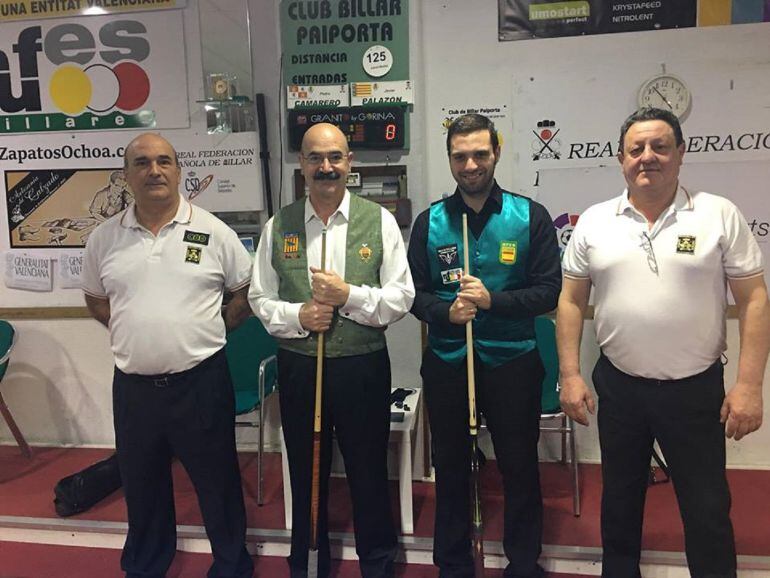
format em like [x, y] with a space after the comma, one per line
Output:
[147, 137]
[325, 160]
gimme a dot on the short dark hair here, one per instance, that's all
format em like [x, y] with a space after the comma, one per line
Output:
[469, 123]
[651, 113]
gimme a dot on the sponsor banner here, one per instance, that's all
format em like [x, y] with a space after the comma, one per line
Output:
[343, 41]
[69, 270]
[222, 174]
[526, 19]
[95, 73]
[55, 208]
[321, 96]
[27, 271]
[37, 9]
[376, 93]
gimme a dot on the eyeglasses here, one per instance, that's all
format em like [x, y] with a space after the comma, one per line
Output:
[317, 158]
[647, 246]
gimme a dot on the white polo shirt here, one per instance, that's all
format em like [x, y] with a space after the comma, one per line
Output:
[165, 292]
[660, 294]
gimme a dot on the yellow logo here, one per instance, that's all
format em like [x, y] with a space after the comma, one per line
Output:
[508, 252]
[685, 244]
[193, 255]
[291, 245]
[365, 252]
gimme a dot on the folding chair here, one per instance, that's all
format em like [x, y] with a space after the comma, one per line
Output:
[251, 355]
[7, 341]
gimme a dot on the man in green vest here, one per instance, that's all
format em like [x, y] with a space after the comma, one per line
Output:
[514, 275]
[363, 287]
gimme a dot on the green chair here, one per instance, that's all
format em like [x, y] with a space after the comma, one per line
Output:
[251, 355]
[545, 333]
[7, 341]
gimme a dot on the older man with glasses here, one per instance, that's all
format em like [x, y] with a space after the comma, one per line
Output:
[660, 258]
[363, 287]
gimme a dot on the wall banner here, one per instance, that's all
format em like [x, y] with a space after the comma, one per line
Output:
[36, 9]
[94, 73]
[526, 19]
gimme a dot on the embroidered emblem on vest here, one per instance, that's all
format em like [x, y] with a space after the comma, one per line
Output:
[195, 237]
[685, 244]
[291, 245]
[508, 252]
[193, 254]
[447, 255]
[365, 252]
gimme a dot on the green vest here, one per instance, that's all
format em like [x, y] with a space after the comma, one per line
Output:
[499, 258]
[363, 258]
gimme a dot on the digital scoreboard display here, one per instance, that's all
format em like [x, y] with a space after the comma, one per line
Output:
[365, 127]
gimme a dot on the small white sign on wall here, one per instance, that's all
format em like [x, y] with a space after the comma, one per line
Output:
[70, 268]
[26, 271]
[318, 96]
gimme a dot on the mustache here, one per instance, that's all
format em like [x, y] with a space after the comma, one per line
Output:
[330, 176]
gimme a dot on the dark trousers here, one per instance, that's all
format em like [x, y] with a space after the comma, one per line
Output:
[683, 415]
[508, 396]
[356, 405]
[191, 416]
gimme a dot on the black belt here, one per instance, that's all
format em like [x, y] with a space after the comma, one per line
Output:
[168, 379]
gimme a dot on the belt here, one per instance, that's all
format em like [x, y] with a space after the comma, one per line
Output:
[169, 379]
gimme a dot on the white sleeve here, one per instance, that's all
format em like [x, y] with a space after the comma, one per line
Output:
[236, 261]
[280, 318]
[741, 255]
[574, 262]
[381, 306]
[90, 276]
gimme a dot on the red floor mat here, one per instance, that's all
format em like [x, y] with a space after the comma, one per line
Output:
[26, 489]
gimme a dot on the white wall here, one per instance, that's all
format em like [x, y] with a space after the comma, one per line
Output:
[58, 386]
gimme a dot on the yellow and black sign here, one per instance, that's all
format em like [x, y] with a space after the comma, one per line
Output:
[193, 254]
[685, 244]
[291, 245]
[195, 237]
[508, 252]
[35, 9]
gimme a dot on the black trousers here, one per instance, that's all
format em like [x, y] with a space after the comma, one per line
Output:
[683, 415]
[508, 396]
[189, 415]
[356, 405]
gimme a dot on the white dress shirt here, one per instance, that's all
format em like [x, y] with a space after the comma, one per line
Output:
[372, 306]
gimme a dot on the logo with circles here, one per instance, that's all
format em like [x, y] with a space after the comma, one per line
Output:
[564, 225]
[95, 72]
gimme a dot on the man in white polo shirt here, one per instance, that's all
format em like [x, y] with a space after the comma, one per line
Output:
[660, 258]
[155, 275]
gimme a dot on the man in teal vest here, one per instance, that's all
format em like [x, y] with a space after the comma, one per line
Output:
[514, 275]
[363, 287]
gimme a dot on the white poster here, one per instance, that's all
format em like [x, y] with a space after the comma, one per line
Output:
[27, 271]
[70, 268]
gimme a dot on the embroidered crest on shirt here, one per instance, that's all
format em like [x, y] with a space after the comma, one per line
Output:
[451, 276]
[193, 254]
[196, 237]
[447, 255]
[685, 244]
[291, 245]
[365, 253]
[508, 252]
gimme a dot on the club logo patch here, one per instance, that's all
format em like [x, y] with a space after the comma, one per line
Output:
[291, 245]
[685, 244]
[195, 237]
[193, 254]
[508, 252]
[451, 276]
[365, 253]
[447, 255]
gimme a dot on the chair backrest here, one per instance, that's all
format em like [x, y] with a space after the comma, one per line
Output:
[545, 333]
[6, 344]
[246, 347]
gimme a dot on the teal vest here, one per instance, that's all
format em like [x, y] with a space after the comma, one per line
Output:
[499, 258]
[363, 258]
